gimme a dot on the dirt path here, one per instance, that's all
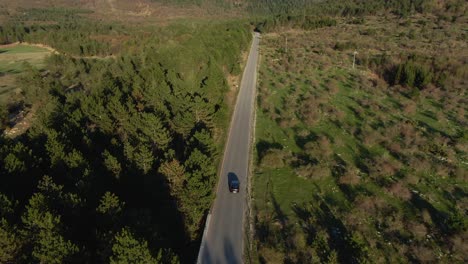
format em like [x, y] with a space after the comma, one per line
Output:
[23, 124]
[111, 4]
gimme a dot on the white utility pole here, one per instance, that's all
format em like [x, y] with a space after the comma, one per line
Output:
[354, 58]
[286, 43]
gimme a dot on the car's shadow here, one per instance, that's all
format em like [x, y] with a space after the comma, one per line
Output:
[232, 177]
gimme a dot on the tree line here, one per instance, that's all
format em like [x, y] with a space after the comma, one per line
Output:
[347, 7]
[273, 23]
[67, 30]
[271, 15]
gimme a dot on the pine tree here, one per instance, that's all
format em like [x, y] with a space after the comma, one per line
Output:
[9, 243]
[140, 156]
[127, 249]
[55, 148]
[112, 164]
[110, 205]
[175, 175]
[42, 231]
[152, 129]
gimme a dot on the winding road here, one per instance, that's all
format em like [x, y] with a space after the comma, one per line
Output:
[223, 241]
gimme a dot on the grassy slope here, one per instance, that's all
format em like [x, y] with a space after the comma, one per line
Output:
[12, 61]
[12, 58]
[372, 166]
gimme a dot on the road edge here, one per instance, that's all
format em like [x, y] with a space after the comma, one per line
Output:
[221, 166]
[249, 229]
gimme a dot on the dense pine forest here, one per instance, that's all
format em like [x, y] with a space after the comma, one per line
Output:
[120, 161]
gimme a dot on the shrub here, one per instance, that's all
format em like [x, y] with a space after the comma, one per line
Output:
[273, 158]
[351, 177]
[3, 116]
[399, 190]
[347, 45]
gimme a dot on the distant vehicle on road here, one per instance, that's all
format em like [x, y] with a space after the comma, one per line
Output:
[234, 186]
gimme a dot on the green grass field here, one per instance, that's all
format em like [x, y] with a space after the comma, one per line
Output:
[13, 60]
[340, 151]
[22, 49]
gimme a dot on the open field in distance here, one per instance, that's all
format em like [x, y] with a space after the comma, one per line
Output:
[13, 60]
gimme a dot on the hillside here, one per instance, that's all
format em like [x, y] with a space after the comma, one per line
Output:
[363, 165]
[142, 11]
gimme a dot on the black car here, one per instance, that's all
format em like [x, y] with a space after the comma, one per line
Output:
[234, 186]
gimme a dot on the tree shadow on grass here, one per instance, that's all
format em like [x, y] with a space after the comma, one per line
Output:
[459, 193]
[337, 123]
[355, 112]
[439, 218]
[339, 168]
[302, 140]
[304, 215]
[318, 215]
[285, 230]
[263, 146]
[360, 159]
[431, 130]
[302, 159]
[429, 114]
[349, 191]
[274, 230]
[279, 214]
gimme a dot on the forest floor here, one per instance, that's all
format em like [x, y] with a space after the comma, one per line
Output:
[349, 166]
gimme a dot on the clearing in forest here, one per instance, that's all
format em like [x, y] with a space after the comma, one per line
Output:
[13, 60]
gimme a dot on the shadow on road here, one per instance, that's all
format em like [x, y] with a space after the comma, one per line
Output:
[229, 254]
[206, 256]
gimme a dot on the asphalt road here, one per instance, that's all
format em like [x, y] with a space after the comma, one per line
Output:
[224, 240]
